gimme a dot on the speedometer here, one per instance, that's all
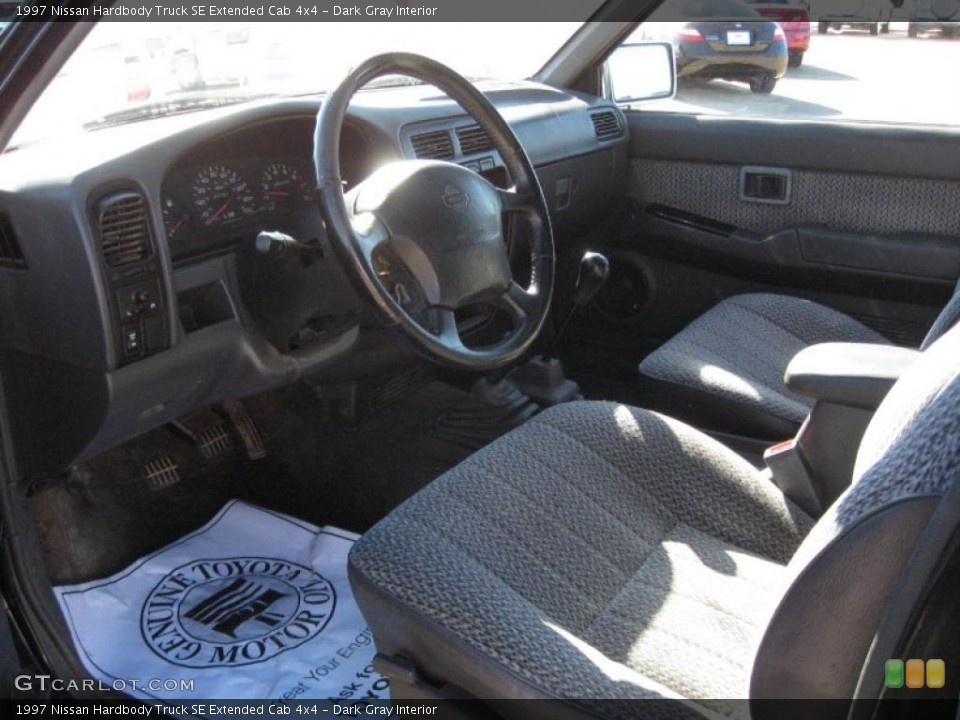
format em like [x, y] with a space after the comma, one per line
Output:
[221, 195]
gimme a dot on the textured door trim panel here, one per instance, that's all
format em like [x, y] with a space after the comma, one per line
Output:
[848, 202]
[869, 148]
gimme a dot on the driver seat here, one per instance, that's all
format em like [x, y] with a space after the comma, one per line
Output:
[606, 552]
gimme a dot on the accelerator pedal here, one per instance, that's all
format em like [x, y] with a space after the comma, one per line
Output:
[247, 429]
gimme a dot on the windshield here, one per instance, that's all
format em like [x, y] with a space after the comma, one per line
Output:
[124, 71]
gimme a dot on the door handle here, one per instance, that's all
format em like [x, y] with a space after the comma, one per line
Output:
[768, 185]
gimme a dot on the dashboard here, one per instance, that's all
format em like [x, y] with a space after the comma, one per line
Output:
[205, 202]
[135, 293]
[222, 191]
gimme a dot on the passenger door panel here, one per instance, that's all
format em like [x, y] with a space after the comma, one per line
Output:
[870, 224]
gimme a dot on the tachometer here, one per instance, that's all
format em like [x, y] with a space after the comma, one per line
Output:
[284, 185]
[220, 195]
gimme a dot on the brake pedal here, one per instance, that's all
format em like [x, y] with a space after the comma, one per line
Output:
[161, 473]
[214, 441]
[207, 432]
[246, 429]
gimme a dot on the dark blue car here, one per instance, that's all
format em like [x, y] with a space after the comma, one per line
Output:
[727, 40]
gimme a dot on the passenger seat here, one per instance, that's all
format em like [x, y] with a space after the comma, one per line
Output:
[724, 371]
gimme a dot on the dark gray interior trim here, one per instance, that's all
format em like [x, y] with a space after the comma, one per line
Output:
[922, 152]
[854, 374]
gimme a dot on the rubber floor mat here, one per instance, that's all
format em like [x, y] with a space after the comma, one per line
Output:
[254, 605]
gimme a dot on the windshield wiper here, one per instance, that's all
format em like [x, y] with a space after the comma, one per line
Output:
[171, 106]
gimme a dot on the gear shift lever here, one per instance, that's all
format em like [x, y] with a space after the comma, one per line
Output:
[594, 271]
[542, 378]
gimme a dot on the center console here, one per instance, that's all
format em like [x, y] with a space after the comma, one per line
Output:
[848, 381]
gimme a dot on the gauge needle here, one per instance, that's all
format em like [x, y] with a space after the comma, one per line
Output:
[176, 227]
[220, 210]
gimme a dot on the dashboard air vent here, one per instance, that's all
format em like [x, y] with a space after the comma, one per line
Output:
[607, 125]
[435, 145]
[11, 255]
[124, 228]
[473, 139]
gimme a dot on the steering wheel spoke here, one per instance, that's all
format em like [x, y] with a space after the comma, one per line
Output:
[517, 302]
[370, 233]
[449, 332]
[516, 202]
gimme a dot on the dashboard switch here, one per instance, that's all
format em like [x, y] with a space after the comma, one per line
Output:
[138, 300]
[132, 340]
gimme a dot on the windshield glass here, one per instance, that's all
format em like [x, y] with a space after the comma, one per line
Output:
[126, 71]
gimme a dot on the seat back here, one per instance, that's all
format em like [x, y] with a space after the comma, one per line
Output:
[844, 572]
[947, 318]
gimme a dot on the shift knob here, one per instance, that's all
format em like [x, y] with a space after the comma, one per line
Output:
[594, 271]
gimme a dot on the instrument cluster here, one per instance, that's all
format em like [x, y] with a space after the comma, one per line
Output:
[213, 202]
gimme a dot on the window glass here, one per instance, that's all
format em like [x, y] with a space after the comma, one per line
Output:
[886, 61]
[133, 70]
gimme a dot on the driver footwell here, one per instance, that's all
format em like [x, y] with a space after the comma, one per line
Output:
[318, 466]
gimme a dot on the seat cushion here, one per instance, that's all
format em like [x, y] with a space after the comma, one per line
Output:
[598, 551]
[725, 370]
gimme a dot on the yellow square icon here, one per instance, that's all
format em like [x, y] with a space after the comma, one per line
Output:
[914, 673]
[936, 673]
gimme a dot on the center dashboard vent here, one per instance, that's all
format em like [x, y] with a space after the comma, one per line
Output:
[473, 139]
[434, 145]
[124, 228]
[607, 125]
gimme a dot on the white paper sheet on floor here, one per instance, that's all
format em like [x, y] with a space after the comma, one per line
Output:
[255, 605]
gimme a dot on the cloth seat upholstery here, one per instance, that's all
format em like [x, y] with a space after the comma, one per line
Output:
[603, 553]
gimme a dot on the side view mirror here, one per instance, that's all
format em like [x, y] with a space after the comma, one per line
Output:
[642, 71]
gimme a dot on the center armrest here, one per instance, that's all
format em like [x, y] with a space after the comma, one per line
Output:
[853, 374]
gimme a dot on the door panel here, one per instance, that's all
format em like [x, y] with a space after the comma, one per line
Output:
[849, 201]
[871, 149]
[870, 226]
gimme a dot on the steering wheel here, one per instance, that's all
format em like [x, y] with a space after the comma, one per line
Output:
[442, 222]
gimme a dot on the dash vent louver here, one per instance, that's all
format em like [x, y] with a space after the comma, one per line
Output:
[607, 125]
[11, 255]
[124, 228]
[473, 139]
[434, 145]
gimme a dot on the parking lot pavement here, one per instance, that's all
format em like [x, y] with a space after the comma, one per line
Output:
[852, 76]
